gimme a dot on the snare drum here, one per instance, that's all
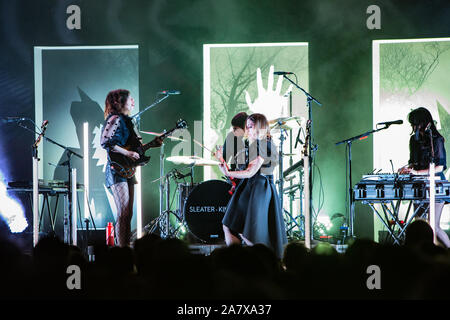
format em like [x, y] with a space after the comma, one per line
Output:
[184, 189]
[204, 210]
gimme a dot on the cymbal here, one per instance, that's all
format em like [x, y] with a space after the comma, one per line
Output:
[196, 161]
[159, 134]
[274, 121]
[286, 123]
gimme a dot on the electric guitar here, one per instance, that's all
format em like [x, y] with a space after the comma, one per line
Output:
[125, 166]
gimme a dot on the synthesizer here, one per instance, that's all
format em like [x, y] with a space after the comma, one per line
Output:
[386, 186]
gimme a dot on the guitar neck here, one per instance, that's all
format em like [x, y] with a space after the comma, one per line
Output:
[148, 145]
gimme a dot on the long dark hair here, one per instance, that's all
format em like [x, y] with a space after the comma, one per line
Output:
[420, 118]
[115, 101]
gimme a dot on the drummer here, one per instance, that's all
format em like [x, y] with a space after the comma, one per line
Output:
[235, 146]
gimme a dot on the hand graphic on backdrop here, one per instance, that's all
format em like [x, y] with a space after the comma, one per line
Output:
[269, 101]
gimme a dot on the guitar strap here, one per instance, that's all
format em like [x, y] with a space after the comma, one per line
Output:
[268, 152]
[135, 140]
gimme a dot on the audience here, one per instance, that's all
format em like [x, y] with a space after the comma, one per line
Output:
[162, 269]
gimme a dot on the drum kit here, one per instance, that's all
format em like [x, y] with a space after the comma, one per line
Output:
[200, 207]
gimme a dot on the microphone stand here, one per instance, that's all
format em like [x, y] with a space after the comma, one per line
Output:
[67, 236]
[350, 213]
[309, 99]
[432, 172]
[137, 119]
[137, 116]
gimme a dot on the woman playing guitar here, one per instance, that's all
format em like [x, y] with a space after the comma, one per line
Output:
[119, 136]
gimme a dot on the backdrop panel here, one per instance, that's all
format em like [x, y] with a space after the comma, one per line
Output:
[408, 74]
[239, 77]
[71, 84]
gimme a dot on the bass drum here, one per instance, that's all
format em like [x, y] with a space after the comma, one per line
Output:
[204, 210]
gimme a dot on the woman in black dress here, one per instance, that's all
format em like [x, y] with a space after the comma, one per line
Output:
[254, 211]
[119, 131]
[420, 150]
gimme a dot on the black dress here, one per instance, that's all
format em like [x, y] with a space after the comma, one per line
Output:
[420, 153]
[235, 152]
[122, 136]
[254, 209]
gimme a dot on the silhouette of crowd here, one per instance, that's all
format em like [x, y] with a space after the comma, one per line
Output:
[162, 269]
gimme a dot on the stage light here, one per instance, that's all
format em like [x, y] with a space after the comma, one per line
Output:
[86, 168]
[325, 221]
[138, 203]
[11, 211]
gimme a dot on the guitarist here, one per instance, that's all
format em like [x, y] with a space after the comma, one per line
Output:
[235, 148]
[119, 131]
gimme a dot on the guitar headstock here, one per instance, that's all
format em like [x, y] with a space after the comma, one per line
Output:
[181, 124]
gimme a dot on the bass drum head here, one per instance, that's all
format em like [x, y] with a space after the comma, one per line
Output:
[204, 210]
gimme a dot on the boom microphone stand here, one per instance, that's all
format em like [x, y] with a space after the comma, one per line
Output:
[349, 141]
[35, 185]
[310, 158]
[432, 172]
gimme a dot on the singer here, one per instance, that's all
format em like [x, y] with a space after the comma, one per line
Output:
[420, 155]
[254, 211]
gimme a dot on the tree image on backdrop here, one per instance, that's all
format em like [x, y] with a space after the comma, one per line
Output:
[241, 79]
[411, 74]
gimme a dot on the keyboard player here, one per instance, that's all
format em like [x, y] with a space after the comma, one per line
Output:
[420, 151]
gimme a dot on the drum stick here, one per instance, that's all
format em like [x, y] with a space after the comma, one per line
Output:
[224, 163]
[201, 145]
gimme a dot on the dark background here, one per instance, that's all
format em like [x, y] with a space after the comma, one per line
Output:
[171, 34]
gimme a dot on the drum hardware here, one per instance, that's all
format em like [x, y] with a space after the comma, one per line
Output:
[183, 192]
[292, 222]
[289, 178]
[286, 123]
[230, 179]
[281, 178]
[309, 155]
[296, 166]
[137, 120]
[283, 124]
[163, 220]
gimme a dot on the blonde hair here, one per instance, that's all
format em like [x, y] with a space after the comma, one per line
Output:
[261, 124]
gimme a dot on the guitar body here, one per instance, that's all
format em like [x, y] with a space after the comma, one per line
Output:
[125, 166]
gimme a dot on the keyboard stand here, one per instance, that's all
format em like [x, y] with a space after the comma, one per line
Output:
[390, 215]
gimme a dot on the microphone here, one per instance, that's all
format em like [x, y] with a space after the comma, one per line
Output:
[388, 123]
[12, 119]
[169, 92]
[280, 73]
